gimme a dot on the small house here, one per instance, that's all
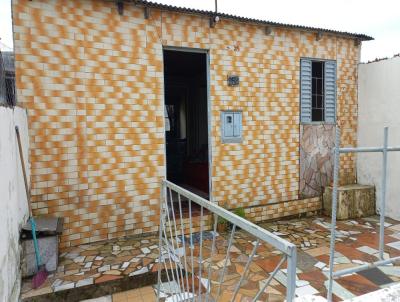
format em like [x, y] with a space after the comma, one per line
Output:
[122, 94]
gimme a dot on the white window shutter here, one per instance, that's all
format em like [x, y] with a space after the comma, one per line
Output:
[330, 91]
[305, 90]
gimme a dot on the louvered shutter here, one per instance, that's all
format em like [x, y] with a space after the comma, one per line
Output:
[305, 90]
[330, 92]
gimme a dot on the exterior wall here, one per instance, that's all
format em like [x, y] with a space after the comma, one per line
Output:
[13, 202]
[309, 206]
[379, 106]
[184, 225]
[93, 83]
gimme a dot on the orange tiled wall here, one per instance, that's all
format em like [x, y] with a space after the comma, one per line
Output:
[92, 81]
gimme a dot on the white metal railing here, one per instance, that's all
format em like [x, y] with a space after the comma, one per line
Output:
[337, 151]
[177, 262]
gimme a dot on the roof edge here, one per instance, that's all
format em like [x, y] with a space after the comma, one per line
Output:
[151, 4]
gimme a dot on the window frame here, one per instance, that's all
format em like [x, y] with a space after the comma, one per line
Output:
[314, 59]
[315, 94]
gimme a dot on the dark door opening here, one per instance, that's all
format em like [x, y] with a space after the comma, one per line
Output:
[185, 80]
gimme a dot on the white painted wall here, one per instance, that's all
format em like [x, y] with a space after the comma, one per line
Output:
[379, 106]
[13, 203]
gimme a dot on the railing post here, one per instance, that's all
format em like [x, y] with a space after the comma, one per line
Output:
[336, 159]
[160, 240]
[383, 194]
[291, 274]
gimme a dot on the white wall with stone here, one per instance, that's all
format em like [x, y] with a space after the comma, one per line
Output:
[379, 106]
[13, 202]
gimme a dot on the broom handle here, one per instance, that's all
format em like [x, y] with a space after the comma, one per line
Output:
[33, 223]
[21, 156]
[35, 244]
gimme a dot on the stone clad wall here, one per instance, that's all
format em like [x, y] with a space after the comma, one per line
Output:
[316, 158]
[92, 81]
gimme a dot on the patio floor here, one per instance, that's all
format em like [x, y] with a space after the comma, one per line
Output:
[99, 264]
[144, 294]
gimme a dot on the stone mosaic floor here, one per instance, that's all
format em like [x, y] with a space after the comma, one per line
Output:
[144, 294]
[357, 242]
[97, 263]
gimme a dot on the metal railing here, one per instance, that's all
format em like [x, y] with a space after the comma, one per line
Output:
[337, 151]
[179, 256]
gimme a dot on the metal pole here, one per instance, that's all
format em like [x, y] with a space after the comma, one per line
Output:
[160, 240]
[211, 257]
[334, 206]
[291, 275]
[383, 194]
[216, 6]
[227, 258]
[176, 257]
[177, 241]
[166, 241]
[191, 245]
[368, 149]
[201, 252]
[271, 276]
[245, 269]
[183, 242]
[364, 267]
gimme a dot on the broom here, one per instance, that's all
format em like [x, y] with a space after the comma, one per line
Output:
[41, 273]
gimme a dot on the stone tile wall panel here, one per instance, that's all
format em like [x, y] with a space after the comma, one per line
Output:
[316, 158]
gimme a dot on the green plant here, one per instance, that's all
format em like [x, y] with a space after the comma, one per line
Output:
[222, 220]
[222, 224]
[240, 212]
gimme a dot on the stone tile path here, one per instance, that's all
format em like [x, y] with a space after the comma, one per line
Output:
[98, 263]
[144, 294]
[356, 244]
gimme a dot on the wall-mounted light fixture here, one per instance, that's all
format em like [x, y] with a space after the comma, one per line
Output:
[214, 20]
[233, 80]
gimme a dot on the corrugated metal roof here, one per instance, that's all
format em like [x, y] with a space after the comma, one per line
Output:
[161, 6]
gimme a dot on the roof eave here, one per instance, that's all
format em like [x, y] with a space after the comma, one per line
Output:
[150, 4]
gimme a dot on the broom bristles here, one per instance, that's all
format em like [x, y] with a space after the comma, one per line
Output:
[40, 277]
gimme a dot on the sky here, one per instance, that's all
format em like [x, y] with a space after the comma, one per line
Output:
[377, 18]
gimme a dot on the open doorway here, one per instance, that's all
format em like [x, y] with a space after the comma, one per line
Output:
[186, 113]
